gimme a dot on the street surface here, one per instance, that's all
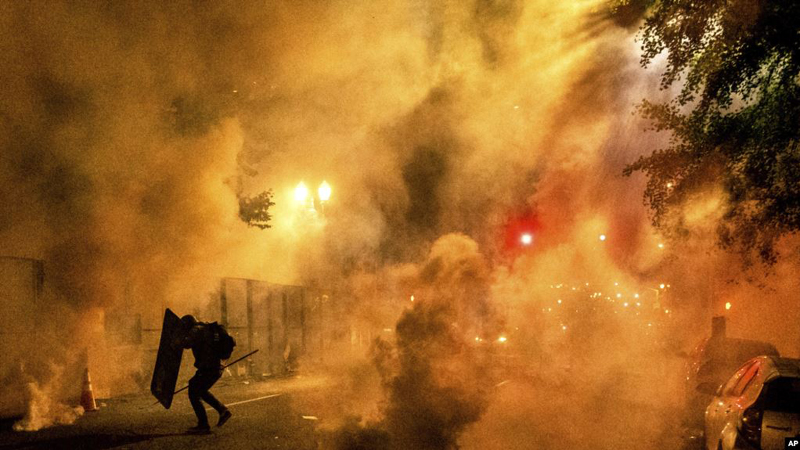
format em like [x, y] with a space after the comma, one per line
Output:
[264, 417]
[299, 413]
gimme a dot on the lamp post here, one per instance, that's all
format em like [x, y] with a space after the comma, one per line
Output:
[304, 198]
[313, 202]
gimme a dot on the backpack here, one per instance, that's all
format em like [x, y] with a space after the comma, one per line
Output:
[222, 343]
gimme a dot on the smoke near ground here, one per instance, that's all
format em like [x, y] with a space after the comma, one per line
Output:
[129, 129]
[434, 372]
[118, 169]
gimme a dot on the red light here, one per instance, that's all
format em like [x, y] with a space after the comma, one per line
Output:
[520, 232]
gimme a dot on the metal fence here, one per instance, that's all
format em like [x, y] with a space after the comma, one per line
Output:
[286, 323]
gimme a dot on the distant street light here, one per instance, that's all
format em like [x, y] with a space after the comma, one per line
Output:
[526, 239]
[602, 237]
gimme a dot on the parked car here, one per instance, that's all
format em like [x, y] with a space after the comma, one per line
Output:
[757, 408]
[712, 362]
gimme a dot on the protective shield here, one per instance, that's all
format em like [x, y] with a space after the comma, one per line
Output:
[168, 360]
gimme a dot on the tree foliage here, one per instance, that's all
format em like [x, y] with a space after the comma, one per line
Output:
[254, 211]
[734, 120]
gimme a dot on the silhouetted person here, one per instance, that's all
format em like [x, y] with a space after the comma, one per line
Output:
[200, 338]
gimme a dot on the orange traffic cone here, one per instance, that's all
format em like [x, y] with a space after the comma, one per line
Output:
[87, 395]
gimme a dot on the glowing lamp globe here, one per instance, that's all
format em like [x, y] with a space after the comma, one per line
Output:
[301, 193]
[324, 191]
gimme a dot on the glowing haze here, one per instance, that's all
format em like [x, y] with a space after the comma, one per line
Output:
[128, 130]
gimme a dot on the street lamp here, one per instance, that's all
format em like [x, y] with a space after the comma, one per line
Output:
[323, 194]
[324, 191]
[301, 193]
[305, 198]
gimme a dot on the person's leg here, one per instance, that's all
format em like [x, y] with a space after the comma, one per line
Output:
[224, 413]
[196, 391]
[212, 401]
[208, 397]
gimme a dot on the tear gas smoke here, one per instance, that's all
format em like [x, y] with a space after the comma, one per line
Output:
[118, 169]
[441, 382]
[43, 410]
[434, 374]
[128, 130]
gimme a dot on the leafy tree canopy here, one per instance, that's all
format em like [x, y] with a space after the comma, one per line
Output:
[735, 120]
[254, 211]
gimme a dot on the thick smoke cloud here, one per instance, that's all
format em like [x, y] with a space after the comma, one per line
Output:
[118, 169]
[441, 383]
[128, 129]
[435, 374]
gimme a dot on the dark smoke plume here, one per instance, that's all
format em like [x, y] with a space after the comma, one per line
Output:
[435, 374]
[129, 131]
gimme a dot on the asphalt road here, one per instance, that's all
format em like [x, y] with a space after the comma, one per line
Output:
[265, 416]
[298, 413]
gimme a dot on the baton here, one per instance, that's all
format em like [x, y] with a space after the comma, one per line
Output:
[223, 367]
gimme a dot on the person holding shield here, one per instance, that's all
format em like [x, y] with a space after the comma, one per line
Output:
[210, 344]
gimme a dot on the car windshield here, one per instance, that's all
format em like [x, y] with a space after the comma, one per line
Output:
[783, 395]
